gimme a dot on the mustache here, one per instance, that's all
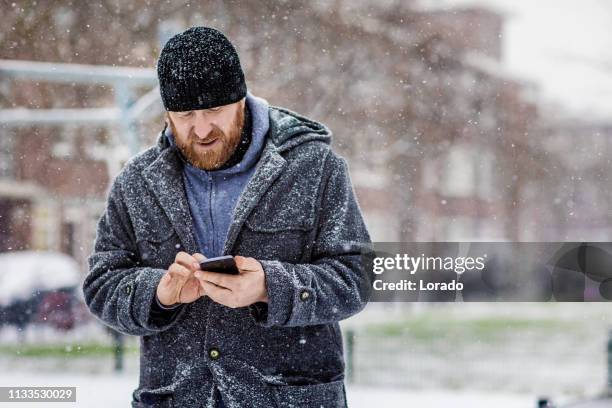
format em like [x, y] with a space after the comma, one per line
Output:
[215, 133]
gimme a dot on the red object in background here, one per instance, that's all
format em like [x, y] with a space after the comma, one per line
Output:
[55, 309]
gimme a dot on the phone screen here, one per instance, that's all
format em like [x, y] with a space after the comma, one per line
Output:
[222, 264]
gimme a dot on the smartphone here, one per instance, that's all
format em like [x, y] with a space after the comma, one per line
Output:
[220, 264]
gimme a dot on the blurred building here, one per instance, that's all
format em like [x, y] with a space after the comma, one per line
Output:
[578, 187]
[465, 140]
[442, 142]
[51, 191]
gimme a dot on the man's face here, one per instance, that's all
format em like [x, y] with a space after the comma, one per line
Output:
[208, 137]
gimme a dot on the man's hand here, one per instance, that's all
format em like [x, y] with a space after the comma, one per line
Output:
[236, 290]
[179, 285]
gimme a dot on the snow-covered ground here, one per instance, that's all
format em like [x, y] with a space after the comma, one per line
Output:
[110, 390]
[411, 355]
[556, 349]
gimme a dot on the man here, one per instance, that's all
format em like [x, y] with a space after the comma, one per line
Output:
[230, 175]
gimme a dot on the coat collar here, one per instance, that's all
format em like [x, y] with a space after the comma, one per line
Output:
[269, 167]
[164, 178]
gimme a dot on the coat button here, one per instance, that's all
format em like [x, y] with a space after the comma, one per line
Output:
[214, 353]
[304, 295]
[128, 289]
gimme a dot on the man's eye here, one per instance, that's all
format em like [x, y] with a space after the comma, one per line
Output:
[185, 114]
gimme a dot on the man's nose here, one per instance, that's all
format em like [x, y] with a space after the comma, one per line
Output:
[202, 128]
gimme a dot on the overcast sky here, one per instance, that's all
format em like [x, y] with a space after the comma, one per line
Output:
[564, 46]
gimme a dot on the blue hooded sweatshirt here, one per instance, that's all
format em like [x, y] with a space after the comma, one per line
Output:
[212, 195]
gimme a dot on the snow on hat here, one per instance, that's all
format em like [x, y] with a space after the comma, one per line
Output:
[199, 69]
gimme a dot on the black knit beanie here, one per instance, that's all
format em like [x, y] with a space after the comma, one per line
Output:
[199, 69]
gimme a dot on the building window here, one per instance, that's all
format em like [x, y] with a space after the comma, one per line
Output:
[7, 164]
[459, 177]
[486, 174]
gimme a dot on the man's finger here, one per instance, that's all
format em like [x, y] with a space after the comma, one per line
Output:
[240, 260]
[199, 257]
[246, 263]
[166, 279]
[179, 271]
[187, 261]
[215, 292]
[219, 279]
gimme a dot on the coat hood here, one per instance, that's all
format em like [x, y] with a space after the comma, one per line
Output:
[289, 129]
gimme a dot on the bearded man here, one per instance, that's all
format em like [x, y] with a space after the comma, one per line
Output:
[230, 175]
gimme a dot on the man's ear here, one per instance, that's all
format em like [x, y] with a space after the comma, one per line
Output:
[166, 120]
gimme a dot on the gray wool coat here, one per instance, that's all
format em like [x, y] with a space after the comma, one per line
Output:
[298, 216]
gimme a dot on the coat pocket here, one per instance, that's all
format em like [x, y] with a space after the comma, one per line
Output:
[283, 245]
[324, 395]
[153, 398]
[159, 251]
